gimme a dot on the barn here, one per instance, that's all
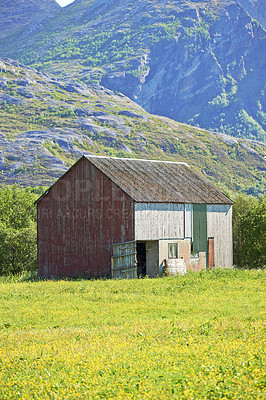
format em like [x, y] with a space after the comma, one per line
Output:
[130, 217]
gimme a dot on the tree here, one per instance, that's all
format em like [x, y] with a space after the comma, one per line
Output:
[18, 238]
[249, 232]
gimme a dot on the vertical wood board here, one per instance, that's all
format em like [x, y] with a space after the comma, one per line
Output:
[154, 221]
[219, 220]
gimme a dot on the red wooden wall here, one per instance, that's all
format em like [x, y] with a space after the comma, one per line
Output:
[78, 221]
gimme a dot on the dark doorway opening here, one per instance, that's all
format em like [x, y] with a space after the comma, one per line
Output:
[141, 259]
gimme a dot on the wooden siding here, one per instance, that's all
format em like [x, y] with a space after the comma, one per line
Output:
[188, 220]
[154, 221]
[168, 221]
[219, 226]
[79, 219]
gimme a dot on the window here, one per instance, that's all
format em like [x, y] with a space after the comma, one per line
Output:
[172, 250]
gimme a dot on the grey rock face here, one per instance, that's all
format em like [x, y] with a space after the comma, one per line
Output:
[133, 115]
[113, 121]
[205, 73]
[88, 123]
[74, 88]
[43, 148]
[25, 93]
[5, 98]
[2, 161]
[28, 145]
[16, 14]
[193, 80]
[256, 9]
[64, 139]
[3, 83]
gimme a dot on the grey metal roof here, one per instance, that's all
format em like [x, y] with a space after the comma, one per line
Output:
[159, 181]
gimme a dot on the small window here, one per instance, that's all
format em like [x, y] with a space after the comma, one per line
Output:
[172, 250]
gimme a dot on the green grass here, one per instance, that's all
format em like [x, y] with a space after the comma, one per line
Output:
[193, 337]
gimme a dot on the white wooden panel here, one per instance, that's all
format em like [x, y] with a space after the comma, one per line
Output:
[219, 226]
[188, 220]
[154, 221]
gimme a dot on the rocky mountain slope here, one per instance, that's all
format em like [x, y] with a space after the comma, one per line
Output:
[200, 62]
[256, 9]
[46, 124]
[17, 14]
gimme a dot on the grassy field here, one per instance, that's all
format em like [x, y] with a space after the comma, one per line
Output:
[194, 337]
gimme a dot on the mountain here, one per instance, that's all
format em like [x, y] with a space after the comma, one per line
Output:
[198, 62]
[47, 124]
[256, 9]
[17, 14]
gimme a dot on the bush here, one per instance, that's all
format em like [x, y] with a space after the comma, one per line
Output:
[18, 232]
[249, 232]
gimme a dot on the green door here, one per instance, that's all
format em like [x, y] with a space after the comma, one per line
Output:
[200, 227]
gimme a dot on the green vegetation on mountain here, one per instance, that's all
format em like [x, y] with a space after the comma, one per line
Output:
[47, 124]
[200, 62]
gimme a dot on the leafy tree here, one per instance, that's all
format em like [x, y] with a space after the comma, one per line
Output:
[18, 250]
[249, 232]
[18, 244]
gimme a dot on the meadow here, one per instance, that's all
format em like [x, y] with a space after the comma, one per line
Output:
[200, 336]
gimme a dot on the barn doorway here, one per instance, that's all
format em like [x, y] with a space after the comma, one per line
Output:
[141, 259]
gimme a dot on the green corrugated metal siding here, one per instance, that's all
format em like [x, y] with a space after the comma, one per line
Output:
[199, 227]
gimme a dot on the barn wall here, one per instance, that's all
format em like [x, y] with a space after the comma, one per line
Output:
[183, 251]
[219, 222]
[154, 221]
[78, 221]
[198, 263]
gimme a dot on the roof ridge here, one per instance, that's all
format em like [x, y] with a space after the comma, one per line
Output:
[137, 159]
[162, 182]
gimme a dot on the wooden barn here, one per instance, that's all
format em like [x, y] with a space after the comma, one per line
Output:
[128, 217]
